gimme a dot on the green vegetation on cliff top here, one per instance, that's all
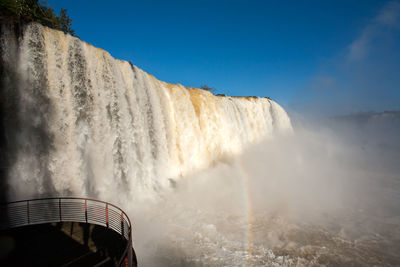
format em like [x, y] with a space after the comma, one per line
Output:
[31, 10]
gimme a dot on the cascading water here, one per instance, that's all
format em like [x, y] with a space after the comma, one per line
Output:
[83, 123]
[76, 121]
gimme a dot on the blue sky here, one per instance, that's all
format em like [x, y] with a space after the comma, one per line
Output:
[319, 56]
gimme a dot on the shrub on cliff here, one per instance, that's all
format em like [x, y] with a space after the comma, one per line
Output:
[207, 88]
[31, 10]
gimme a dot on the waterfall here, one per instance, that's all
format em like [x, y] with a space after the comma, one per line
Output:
[79, 122]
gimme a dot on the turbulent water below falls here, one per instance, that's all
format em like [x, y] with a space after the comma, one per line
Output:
[207, 180]
[301, 200]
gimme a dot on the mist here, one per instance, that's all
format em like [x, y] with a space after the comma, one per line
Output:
[326, 194]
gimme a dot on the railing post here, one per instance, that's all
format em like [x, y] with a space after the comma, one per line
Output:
[107, 214]
[130, 246]
[27, 210]
[86, 211]
[130, 256]
[59, 207]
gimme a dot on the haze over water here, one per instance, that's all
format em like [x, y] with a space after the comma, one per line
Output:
[206, 180]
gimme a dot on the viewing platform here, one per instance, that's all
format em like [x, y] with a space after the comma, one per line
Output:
[65, 232]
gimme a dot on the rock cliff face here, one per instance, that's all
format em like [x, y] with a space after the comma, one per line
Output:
[76, 121]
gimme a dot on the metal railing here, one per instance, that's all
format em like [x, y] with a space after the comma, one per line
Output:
[69, 209]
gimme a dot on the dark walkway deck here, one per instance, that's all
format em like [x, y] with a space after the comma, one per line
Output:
[61, 244]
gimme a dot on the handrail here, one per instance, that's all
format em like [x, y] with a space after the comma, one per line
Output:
[69, 209]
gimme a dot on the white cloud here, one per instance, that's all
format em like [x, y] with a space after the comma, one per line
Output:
[387, 18]
[389, 15]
